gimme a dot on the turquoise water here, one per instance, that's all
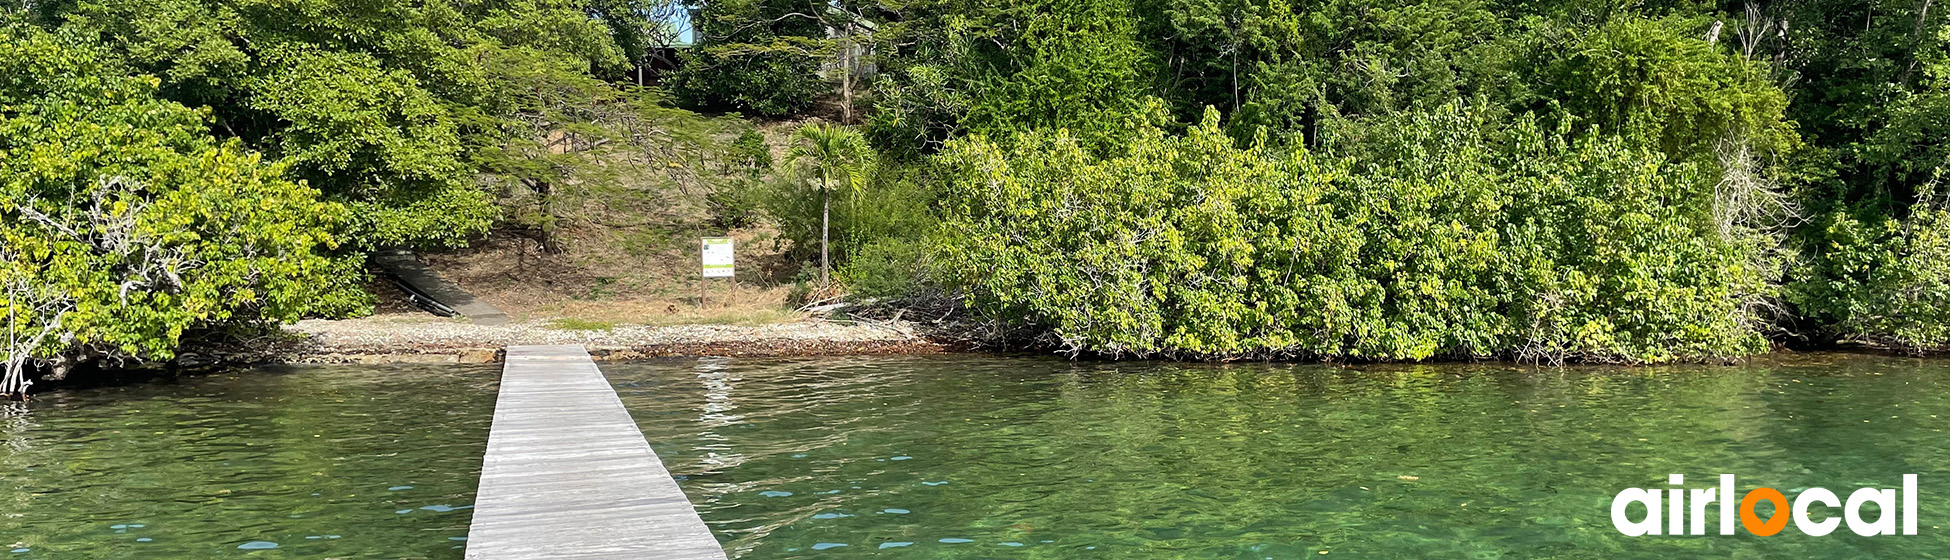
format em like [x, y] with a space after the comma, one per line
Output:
[985, 457]
[996, 457]
[287, 462]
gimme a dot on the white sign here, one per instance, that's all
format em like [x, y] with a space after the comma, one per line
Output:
[717, 257]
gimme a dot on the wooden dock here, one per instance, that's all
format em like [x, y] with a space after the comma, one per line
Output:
[569, 475]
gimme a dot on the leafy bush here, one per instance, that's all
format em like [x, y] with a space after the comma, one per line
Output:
[1655, 82]
[1877, 256]
[771, 84]
[124, 224]
[1884, 283]
[736, 203]
[955, 67]
[885, 268]
[889, 207]
[1443, 244]
[750, 153]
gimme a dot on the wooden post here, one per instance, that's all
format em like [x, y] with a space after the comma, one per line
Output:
[703, 283]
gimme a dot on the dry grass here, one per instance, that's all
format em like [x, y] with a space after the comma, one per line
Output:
[628, 255]
[621, 276]
[748, 306]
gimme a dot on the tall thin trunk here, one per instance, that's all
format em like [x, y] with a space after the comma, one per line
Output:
[825, 221]
[846, 73]
[1235, 75]
[11, 376]
[1922, 15]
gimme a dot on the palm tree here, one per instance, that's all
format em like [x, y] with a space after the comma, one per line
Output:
[838, 157]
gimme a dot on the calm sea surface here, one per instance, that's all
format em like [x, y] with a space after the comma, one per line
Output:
[986, 457]
[970, 456]
[287, 462]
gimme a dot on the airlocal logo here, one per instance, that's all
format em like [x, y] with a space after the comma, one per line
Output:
[1674, 512]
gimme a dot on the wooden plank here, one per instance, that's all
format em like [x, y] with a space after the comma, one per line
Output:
[569, 475]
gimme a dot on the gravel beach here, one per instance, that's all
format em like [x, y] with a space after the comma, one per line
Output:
[397, 339]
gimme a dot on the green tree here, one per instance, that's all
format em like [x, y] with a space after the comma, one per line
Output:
[834, 157]
[374, 104]
[124, 223]
[1302, 69]
[572, 148]
[1870, 97]
[759, 56]
[1656, 82]
[952, 68]
[1913, 146]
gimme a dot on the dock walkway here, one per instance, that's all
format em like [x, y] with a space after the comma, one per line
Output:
[569, 475]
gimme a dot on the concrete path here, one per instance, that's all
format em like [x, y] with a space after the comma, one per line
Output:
[569, 475]
[419, 278]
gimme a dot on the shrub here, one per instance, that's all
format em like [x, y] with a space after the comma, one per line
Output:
[755, 56]
[736, 202]
[884, 268]
[890, 207]
[1884, 283]
[1441, 244]
[124, 224]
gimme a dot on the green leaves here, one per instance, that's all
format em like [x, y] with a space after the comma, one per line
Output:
[377, 105]
[836, 157]
[1655, 82]
[1444, 245]
[950, 68]
[346, 116]
[124, 224]
[758, 56]
[1874, 98]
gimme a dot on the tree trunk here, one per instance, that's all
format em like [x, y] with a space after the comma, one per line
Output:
[846, 75]
[1235, 75]
[1922, 15]
[545, 193]
[825, 221]
[13, 379]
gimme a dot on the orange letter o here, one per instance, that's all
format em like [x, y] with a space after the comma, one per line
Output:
[1752, 522]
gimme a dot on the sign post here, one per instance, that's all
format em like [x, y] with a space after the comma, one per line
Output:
[717, 261]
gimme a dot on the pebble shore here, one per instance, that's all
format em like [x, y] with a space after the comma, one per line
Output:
[393, 340]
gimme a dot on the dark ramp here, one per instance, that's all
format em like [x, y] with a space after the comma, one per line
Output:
[433, 293]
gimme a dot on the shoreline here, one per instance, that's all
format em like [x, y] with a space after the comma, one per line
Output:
[419, 339]
[396, 339]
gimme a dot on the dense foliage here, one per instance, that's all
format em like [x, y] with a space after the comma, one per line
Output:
[757, 56]
[172, 166]
[1875, 99]
[1794, 152]
[372, 103]
[1446, 245]
[1403, 179]
[123, 223]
